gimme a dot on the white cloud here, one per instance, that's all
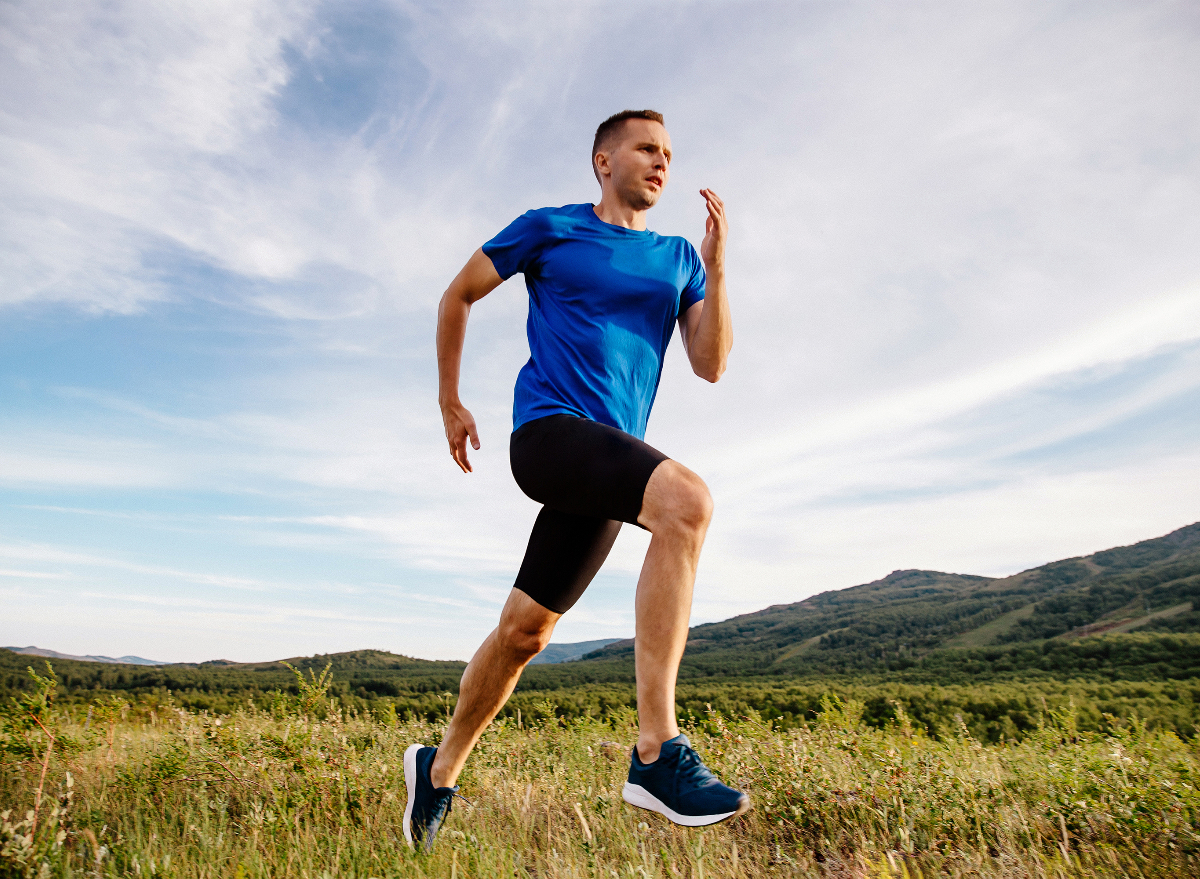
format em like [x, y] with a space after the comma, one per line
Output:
[995, 530]
[1115, 342]
[963, 245]
[114, 117]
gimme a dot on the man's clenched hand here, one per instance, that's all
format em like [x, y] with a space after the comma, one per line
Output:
[460, 425]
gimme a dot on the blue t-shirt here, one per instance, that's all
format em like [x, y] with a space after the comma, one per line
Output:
[603, 302]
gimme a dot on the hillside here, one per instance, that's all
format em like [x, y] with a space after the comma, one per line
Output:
[365, 674]
[915, 620]
[1123, 614]
[570, 652]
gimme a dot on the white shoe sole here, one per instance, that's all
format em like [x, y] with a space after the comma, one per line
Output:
[410, 781]
[636, 795]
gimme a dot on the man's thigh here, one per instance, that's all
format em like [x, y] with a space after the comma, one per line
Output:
[564, 553]
[583, 468]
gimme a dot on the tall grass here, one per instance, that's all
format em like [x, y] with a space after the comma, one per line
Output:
[307, 791]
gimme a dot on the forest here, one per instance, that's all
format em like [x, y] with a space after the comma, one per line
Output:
[1115, 634]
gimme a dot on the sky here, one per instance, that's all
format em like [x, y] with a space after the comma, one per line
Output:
[963, 269]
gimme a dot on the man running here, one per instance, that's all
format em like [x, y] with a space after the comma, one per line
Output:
[604, 296]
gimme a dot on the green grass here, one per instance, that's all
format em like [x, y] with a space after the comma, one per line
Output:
[314, 792]
[990, 631]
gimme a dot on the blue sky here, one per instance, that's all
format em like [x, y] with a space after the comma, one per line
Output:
[963, 265]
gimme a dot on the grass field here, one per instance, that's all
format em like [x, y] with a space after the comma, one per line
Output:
[304, 790]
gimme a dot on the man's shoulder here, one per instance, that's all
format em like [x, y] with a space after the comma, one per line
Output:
[676, 241]
[562, 212]
[549, 222]
[683, 250]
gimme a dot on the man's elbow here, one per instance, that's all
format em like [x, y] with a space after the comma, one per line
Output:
[457, 299]
[711, 371]
[709, 362]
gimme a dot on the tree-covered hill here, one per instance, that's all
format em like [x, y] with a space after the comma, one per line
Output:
[1124, 614]
[900, 623]
[366, 674]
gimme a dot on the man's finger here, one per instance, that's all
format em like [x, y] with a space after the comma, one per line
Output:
[716, 218]
[473, 433]
[715, 206]
[458, 451]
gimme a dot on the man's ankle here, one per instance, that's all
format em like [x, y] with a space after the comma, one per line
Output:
[649, 747]
[647, 753]
[439, 773]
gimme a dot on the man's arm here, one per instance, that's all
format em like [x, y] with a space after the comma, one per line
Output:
[707, 327]
[477, 279]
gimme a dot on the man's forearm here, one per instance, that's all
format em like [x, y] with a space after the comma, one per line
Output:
[451, 335]
[713, 339]
[477, 278]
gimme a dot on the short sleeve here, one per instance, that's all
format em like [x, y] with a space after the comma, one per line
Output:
[693, 288]
[518, 246]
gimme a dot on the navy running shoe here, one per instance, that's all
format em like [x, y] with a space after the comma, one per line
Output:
[427, 805]
[679, 786]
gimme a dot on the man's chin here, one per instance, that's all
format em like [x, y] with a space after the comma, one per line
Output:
[643, 201]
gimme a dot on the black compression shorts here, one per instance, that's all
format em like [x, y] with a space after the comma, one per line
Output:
[590, 478]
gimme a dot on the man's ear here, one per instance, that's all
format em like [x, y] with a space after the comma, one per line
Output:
[601, 163]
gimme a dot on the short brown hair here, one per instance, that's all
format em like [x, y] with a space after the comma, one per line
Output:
[611, 126]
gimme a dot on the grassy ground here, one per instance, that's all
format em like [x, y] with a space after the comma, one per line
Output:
[305, 791]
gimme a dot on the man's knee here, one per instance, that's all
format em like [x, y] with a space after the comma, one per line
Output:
[678, 498]
[695, 503]
[525, 639]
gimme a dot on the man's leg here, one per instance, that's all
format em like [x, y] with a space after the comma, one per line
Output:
[524, 630]
[676, 510]
[665, 774]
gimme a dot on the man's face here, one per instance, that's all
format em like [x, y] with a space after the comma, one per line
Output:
[639, 162]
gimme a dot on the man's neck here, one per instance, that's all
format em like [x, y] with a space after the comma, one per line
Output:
[616, 212]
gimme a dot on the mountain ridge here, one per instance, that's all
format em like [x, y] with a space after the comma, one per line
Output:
[569, 652]
[1126, 612]
[46, 653]
[1152, 584]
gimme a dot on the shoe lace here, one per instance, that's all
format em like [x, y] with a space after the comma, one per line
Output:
[443, 805]
[438, 810]
[692, 773]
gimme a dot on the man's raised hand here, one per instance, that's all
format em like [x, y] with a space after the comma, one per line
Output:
[460, 425]
[716, 229]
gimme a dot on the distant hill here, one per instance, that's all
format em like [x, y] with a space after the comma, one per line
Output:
[1129, 613]
[901, 622]
[54, 654]
[569, 652]
[221, 684]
